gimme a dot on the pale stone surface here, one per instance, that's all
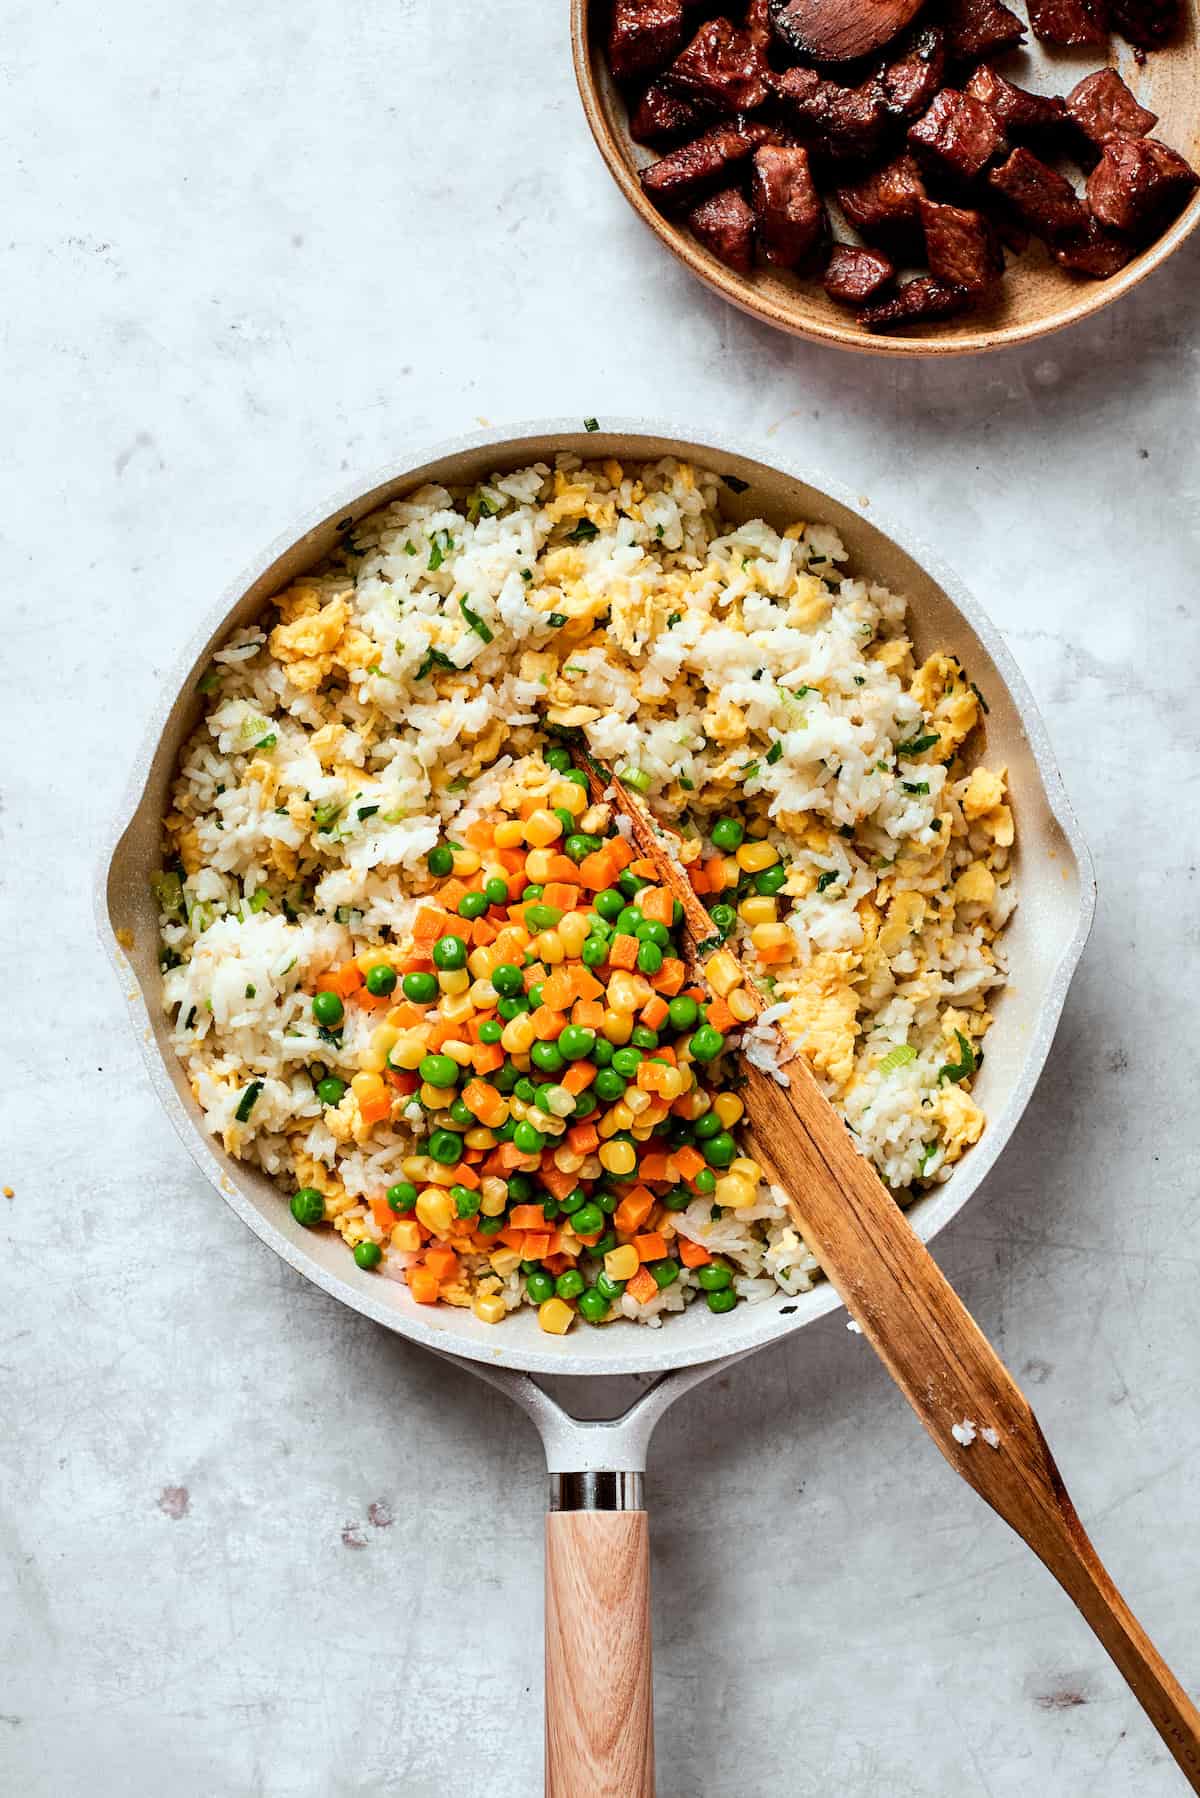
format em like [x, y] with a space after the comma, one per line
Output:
[249, 254]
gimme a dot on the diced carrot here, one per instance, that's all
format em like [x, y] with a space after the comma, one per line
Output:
[480, 833]
[695, 992]
[670, 977]
[529, 806]
[666, 1052]
[533, 974]
[596, 871]
[343, 981]
[657, 904]
[652, 1076]
[689, 1161]
[698, 877]
[405, 1014]
[620, 851]
[654, 1012]
[428, 924]
[643, 1286]
[510, 944]
[526, 1217]
[536, 1244]
[559, 989]
[691, 1253]
[513, 863]
[653, 1166]
[561, 894]
[451, 891]
[423, 1284]
[556, 1263]
[720, 1016]
[650, 1247]
[368, 1001]
[466, 1176]
[483, 932]
[634, 1209]
[383, 1214]
[622, 951]
[508, 1156]
[589, 1013]
[442, 1262]
[644, 868]
[548, 1024]
[562, 868]
[404, 1081]
[586, 984]
[583, 1137]
[557, 1184]
[782, 953]
[590, 1241]
[578, 1077]
[462, 1226]
[487, 1057]
[511, 1236]
[483, 1100]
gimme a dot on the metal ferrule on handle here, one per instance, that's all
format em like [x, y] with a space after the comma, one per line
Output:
[597, 1491]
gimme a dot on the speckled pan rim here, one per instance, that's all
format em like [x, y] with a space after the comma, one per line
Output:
[752, 1326]
[757, 303]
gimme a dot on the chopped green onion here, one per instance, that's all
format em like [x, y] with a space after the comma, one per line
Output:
[168, 889]
[774, 753]
[928, 1153]
[591, 424]
[584, 531]
[260, 900]
[434, 658]
[918, 745]
[959, 1070]
[527, 574]
[637, 778]
[749, 771]
[979, 696]
[441, 543]
[827, 879]
[556, 620]
[248, 1101]
[367, 811]
[208, 683]
[325, 816]
[267, 742]
[915, 786]
[474, 620]
[410, 548]
[899, 1057]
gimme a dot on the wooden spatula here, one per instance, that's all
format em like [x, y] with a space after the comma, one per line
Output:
[914, 1320]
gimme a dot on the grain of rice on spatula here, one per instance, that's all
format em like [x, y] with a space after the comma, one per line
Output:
[956, 1383]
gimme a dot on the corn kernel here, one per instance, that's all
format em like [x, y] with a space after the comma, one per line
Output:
[571, 797]
[622, 1114]
[517, 1035]
[542, 828]
[504, 1261]
[741, 1004]
[623, 992]
[509, 835]
[637, 1100]
[456, 1008]
[417, 1167]
[483, 994]
[458, 1051]
[752, 858]
[493, 1197]
[622, 1263]
[537, 864]
[454, 980]
[608, 1126]
[642, 1131]
[728, 1108]
[560, 1101]
[480, 1137]
[567, 1161]
[618, 1157]
[435, 1209]
[749, 1170]
[548, 947]
[772, 936]
[408, 1051]
[555, 1317]
[693, 1105]
[406, 1236]
[758, 910]
[729, 871]
[670, 1084]
[481, 961]
[722, 973]
[366, 1087]
[438, 1098]
[373, 957]
[734, 1193]
[466, 862]
[573, 932]
[489, 1308]
[383, 1040]
[440, 1175]
[618, 1026]
[591, 1169]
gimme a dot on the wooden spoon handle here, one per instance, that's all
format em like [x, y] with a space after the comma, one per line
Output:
[599, 1699]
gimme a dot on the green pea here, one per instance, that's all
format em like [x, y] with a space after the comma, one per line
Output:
[627, 1061]
[716, 1277]
[445, 1146]
[490, 1226]
[631, 884]
[720, 1150]
[607, 1201]
[542, 1095]
[420, 988]
[576, 1041]
[579, 844]
[682, 1012]
[727, 834]
[504, 1079]
[724, 917]
[549, 1209]
[367, 1254]
[643, 1037]
[605, 1246]
[769, 881]
[651, 931]
[609, 1085]
[441, 860]
[472, 905]
[495, 890]
[609, 903]
[508, 980]
[511, 1008]
[523, 1090]
[573, 1201]
[678, 1199]
[708, 1124]
[520, 1186]
[594, 952]
[462, 1114]
[490, 1031]
[593, 1306]
[577, 777]
[331, 1091]
[721, 1301]
[608, 1288]
[588, 1219]
[531, 893]
[603, 1053]
[585, 1104]
[402, 1197]
[628, 920]
[569, 1284]
[308, 1207]
[665, 1273]
[540, 1287]
[705, 1181]
[706, 1044]
[328, 1010]
[381, 980]
[449, 954]
[565, 818]
[438, 1070]
[466, 1201]
[559, 759]
[547, 1056]
[649, 958]
[542, 917]
[527, 1139]
[536, 994]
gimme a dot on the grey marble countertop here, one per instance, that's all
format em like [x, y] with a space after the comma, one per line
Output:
[252, 1545]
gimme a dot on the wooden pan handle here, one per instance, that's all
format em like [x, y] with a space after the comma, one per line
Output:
[599, 1699]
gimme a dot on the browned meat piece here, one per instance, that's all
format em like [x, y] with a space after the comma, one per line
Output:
[1138, 186]
[1103, 108]
[1097, 252]
[724, 223]
[958, 136]
[846, 124]
[663, 117]
[1068, 22]
[841, 30]
[908, 84]
[722, 67]
[792, 221]
[685, 175]
[758, 22]
[1018, 113]
[643, 36]
[1041, 197]
[1147, 23]
[980, 28]
[885, 206]
[855, 276]
[961, 246]
[926, 297]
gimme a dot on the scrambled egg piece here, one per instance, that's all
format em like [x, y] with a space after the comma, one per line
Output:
[823, 1020]
[905, 916]
[959, 1119]
[186, 839]
[311, 1172]
[306, 646]
[894, 655]
[976, 885]
[940, 688]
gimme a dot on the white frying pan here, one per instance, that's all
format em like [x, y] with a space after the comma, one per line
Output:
[599, 1730]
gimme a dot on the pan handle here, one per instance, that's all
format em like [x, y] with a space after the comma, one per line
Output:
[599, 1694]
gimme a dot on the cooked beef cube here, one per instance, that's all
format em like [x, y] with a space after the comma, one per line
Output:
[855, 276]
[926, 297]
[980, 28]
[663, 117]
[841, 30]
[961, 246]
[1068, 22]
[958, 136]
[643, 36]
[724, 223]
[685, 175]
[1018, 113]
[1147, 23]
[1041, 197]
[1138, 186]
[758, 22]
[791, 215]
[908, 84]
[1103, 108]
[1097, 252]
[885, 206]
[846, 124]
[722, 67]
